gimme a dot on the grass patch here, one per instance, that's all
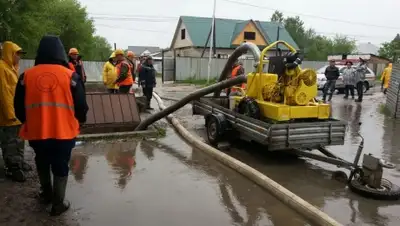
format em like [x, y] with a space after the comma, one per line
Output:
[200, 82]
[384, 110]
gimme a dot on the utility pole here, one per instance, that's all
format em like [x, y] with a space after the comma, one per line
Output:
[115, 46]
[211, 43]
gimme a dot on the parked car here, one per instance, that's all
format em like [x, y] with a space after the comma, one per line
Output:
[321, 80]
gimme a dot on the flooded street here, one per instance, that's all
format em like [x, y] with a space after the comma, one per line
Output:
[311, 179]
[165, 182]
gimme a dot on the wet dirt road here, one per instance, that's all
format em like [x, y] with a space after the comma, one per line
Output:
[165, 182]
[311, 179]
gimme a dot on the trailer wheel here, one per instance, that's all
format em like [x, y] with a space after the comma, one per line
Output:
[249, 107]
[388, 191]
[214, 130]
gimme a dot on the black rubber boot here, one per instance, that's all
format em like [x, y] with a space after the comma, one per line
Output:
[59, 205]
[45, 196]
[16, 175]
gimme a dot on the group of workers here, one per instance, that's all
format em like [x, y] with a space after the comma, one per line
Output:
[46, 105]
[119, 73]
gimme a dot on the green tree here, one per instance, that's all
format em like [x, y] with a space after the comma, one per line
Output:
[315, 47]
[391, 50]
[26, 21]
[277, 17]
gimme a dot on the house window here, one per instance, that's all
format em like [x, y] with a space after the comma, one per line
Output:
[249, 35]
[183, 34]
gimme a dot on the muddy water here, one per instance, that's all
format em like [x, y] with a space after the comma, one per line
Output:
[165, 182]
[312, 181]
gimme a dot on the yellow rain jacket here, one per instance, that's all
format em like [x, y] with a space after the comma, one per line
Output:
[8, 82]
[110, 74]
[386, 76]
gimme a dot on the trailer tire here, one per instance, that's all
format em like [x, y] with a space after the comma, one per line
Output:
[215, 128]
[389, 191]
[249, 107]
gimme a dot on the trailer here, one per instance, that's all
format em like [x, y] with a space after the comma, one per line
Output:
[278, 108]
[298, 138]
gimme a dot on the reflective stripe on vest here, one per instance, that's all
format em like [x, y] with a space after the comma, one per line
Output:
[49, 104]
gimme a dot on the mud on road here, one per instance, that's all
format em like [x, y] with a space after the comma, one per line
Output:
[148, 182]
[311, 179]
[167, 182]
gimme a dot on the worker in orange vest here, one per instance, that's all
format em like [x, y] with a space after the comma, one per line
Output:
[50, 102]
[131, 58]
[236, 71]
[76, 64]
[124, 72]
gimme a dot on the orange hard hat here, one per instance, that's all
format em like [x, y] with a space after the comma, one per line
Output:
[130, 53]
[73, 51]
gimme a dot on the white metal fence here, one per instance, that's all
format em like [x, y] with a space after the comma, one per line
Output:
[393, 93]
[93, 69]
[188, 68]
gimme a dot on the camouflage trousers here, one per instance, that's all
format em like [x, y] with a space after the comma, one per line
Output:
[12, 147]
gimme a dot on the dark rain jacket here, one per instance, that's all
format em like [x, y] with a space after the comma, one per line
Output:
[332, 73]
[51, 51]
[78, 68]
[147, 75]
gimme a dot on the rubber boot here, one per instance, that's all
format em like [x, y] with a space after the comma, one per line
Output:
[16, 175]
[46, 194]
[59, 205]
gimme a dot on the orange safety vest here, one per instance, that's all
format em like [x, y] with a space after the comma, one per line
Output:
[129, 79]
[72, 67]
[234, 74]
[48, 104]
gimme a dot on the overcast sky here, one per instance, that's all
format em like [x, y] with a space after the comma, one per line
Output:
[153, 22]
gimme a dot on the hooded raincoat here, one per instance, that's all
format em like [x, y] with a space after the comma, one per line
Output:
[386, 74]
[110, 73]
[8, 82]
[51, 51]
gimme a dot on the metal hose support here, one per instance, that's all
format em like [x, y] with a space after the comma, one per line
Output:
[216, 88]
[242, 49]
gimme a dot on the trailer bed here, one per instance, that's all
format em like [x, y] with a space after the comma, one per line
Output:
[277, 136]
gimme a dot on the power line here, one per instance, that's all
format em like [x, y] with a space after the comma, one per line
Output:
[133, 16]
[133, 19]
[312, 16]
[352, 35]
[132, 29]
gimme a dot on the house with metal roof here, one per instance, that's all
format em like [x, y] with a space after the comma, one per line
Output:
[191, 35]
[145, 50]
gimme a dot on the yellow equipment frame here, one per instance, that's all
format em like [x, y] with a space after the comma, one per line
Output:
[278, 111]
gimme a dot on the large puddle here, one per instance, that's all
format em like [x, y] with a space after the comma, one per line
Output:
[312, 181]
[165, 182]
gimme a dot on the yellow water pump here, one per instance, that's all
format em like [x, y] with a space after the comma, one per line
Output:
[286, 95]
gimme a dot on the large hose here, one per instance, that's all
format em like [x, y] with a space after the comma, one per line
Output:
[242, 49]
[193, 96]
[298, 204]
[217, 87]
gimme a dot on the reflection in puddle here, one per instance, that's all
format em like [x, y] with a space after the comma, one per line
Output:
[78, 165]
[121, 158]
